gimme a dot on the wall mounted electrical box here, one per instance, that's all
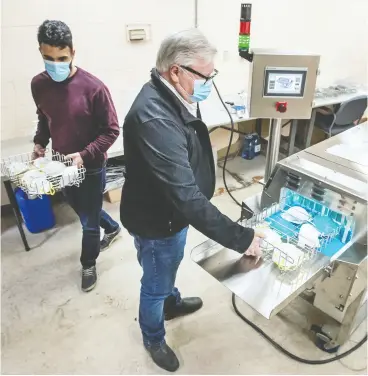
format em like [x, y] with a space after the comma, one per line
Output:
[282, 84]
[138, 32]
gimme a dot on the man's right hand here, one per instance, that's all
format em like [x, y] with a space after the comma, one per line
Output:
[38, 151]
[255, 248]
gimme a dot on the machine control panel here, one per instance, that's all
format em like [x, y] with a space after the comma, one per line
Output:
[282, 84]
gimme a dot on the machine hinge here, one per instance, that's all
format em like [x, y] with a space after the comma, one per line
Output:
[328, 270]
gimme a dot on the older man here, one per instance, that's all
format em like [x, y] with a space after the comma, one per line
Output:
[170, 178]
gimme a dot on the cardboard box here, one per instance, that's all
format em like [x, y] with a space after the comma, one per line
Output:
[114, 195]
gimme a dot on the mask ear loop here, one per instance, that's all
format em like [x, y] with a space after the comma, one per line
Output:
[189, 95]
[71, 67]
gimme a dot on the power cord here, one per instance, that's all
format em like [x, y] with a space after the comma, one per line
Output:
[228, 147]
[250, 323]
[351, 368]
[288, 353]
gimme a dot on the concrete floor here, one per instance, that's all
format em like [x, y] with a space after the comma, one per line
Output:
[50, 327]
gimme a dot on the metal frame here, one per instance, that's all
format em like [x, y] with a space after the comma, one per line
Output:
[273, 146]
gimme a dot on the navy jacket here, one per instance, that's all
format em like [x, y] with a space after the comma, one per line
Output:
[170, 172]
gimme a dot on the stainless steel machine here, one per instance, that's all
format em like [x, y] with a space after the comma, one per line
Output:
[329, 184]
[281, 86]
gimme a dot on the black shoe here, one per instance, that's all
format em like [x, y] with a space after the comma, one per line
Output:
[108, 239]
[89, 278]
[186, 306]
[164, 357]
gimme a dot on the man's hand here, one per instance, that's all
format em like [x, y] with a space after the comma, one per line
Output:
[77, 159]
[255, 248]
[38, 151]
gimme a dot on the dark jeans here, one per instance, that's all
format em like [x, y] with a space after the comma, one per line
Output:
[86, 200]
[160, 260]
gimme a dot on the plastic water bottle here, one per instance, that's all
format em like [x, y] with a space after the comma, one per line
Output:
[248, 147]
[256, 144]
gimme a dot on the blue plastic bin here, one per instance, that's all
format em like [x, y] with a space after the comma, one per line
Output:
[37, 213]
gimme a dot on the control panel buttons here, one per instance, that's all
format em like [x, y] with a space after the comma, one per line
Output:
[281, 106]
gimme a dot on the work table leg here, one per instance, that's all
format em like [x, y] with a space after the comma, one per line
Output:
[259, 127]
[308, 139]
[293, 129]
[18, 217]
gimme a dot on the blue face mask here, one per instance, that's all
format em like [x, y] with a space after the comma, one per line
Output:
[59, 71]
[201, 90]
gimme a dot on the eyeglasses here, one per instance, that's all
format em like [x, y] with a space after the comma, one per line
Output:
[206, 78]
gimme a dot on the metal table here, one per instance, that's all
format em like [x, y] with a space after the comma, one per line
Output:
[318, 103]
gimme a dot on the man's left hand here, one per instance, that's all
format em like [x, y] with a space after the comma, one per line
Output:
[77, 159]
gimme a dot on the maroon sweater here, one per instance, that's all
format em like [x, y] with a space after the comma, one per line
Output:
[78, 114]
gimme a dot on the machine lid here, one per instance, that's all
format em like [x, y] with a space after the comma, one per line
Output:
[328, 174]
[348, 149]
[340, 163]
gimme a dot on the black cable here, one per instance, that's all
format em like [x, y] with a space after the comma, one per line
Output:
[228, 148]
[286, 352]
[250, 323]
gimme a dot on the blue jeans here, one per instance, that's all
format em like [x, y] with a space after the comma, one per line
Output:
[86, 200]
[160, 260]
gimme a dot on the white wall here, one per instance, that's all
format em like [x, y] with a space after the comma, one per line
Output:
[98, 27]
[336, 31]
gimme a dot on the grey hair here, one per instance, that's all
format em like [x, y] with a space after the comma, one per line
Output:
[184, 48]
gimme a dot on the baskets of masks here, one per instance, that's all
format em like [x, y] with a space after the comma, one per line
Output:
[283, 253]
[42, 176]
[298, 228]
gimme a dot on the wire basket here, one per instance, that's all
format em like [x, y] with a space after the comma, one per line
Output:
[32, 176]
[293, 249]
